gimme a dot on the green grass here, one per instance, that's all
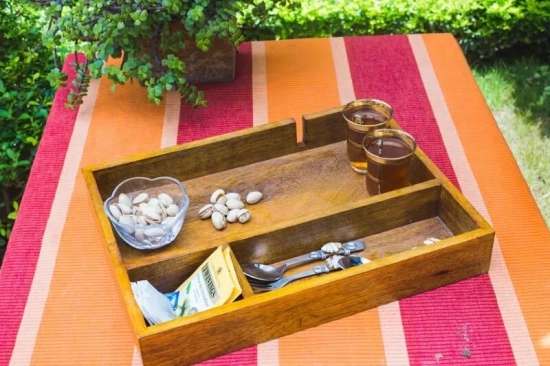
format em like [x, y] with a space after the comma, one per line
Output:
[514, 91]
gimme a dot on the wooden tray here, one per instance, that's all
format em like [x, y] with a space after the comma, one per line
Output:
[311, 196]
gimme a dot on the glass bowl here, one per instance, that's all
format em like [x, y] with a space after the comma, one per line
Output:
[147, 213]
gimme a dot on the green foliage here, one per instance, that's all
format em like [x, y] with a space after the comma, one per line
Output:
[147, 34]
[25, 100]
[483, 27]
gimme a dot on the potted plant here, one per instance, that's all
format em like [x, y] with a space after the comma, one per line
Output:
[159, 41]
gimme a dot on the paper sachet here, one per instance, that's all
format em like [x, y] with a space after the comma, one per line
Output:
[213, 284]
[154, 306]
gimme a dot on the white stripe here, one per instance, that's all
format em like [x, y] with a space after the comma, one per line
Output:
[259, 85]
[343, 73]
[268, 353]
[171, 120]
[38, 294]
[514, 322]
[136, 358]
[393, 334]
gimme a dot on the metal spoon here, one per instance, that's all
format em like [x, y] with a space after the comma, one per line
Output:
[343, 263]
[267, 273]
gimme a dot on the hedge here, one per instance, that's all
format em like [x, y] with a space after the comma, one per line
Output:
[25, 100]
[483, 27]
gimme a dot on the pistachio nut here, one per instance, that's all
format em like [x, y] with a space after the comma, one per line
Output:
[124, 199]
[172, 210]
[232, 204]
[165, 199]
[206, 211]
[154, 232]
[140, 198]
[221, 209]
[253, 197]
[129, 221]
[218, 220]
[115, 211]
[232, 215]
[233, 196]
[216, 195]
[243, 215]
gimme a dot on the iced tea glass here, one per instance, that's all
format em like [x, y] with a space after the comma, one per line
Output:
[389, 153]
[363, 116]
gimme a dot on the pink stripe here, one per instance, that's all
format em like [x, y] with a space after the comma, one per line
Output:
[17, 272]
[388, 71]
[244, 357]
[229, 108]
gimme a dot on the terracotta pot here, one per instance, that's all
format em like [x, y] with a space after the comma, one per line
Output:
[215, 65]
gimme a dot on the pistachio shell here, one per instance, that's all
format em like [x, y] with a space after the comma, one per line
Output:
[139, 235]
[127, 220]
[253, 197]
[233, 196]
[232, 215]
[154, 232]
[216, 195]
[152, 217]
[126, 210]
[115, 211]
[165, 199]
[153, 201]
[222, 200]
[206, 211]
[136, 211]
[221, 209]
[143, 206]
[172, 210]
[155, 207]
[140, 198]
[243, 215]
[124, 199]
[218, 220]
[168, 220]
[232, 204]
[142, 221]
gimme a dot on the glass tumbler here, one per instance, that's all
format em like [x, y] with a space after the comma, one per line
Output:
[363, 116]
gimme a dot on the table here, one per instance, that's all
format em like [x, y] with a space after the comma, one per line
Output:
[59, 304]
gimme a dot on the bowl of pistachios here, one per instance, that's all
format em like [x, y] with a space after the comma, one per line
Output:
[148, 213]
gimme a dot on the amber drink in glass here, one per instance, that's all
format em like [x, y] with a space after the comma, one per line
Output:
[389, 153]
[363, 116]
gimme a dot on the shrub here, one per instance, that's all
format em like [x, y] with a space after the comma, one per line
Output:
[483, 27]
[25, 100]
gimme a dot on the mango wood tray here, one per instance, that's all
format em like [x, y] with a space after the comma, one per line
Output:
[311, 196]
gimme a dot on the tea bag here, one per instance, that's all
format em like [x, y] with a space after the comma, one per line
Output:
[213, 284]
[154, 306]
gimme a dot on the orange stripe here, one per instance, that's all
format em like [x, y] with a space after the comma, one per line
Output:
[300, 78]
[92, 325]
[293, 92]
[522, 232]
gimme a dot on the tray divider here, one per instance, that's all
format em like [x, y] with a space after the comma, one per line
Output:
[247, 290]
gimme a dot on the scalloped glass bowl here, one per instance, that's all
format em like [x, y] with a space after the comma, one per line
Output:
[150, 236]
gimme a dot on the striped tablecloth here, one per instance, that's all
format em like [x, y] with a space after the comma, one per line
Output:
[59, 305]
